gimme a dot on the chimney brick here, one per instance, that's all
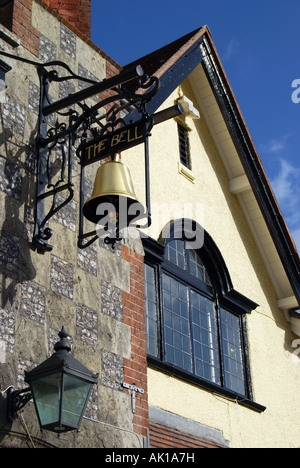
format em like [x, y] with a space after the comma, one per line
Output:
[16, 16]
[76, 12]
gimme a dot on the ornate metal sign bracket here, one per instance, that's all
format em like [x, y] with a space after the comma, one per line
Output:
[68, 136]
[57, 145]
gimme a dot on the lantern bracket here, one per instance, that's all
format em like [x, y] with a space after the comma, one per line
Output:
[16, 400]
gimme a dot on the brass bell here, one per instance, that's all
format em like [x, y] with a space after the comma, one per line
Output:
[113, 197]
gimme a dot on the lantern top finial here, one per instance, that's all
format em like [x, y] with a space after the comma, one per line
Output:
[63, 344]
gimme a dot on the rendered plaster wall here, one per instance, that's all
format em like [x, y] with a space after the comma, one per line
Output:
[88, 291]
[274, 368]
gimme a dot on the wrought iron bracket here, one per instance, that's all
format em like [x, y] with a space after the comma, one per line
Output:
[65, 139]
[16, 400]
[64, 131]
[45, 186]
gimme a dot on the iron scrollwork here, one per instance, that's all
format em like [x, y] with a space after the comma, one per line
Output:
[16, 400]
[62, 134]
[55, 149]
[102, 118]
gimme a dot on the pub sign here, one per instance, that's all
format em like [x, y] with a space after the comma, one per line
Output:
[114, 142]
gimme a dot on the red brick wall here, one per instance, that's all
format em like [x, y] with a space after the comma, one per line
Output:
[135, 369]
[111, 70]
[76, 12]
[165, 437]
[16, 15]
[17, 18]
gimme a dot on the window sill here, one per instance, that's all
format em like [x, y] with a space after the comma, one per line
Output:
[9, 37]
[187, 173]
[156, 364]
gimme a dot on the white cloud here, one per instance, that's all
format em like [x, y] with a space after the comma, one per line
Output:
[286, 187]
[286, 182]
[231, 49]
[275, 146]
[296, 236]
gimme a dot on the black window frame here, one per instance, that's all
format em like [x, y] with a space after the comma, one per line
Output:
[226, 298]
[184, 145]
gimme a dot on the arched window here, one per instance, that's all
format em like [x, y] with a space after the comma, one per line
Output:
[195, 319]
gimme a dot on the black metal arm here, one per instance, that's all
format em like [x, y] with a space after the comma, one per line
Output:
[16, 400]
[61, 136]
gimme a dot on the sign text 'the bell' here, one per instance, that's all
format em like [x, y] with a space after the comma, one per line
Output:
[115, 142]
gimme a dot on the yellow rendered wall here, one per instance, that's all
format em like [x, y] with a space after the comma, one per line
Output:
[275, 370]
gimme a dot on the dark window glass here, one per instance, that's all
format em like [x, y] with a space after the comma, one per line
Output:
[205, 338]
[184, 146]
[151, 311]
[232, 352]
[175, 253]
[187, 259]
[196, 267]
[177, 336]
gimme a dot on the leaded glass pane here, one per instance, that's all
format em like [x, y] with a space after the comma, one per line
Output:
[175, 253]
[205, 339]
[151, 311]
[196, 267]
[234, 377]
[177, 339]
[186, 327]
[187, 259]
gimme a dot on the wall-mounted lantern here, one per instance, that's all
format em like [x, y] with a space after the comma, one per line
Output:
[60, 388]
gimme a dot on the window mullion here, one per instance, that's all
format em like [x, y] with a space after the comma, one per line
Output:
[191, 331]
[221, 363]
[160, 315]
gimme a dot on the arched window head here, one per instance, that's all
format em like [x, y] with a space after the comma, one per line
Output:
[180, 254]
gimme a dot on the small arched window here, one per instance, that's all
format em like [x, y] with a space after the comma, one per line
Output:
[195, 319]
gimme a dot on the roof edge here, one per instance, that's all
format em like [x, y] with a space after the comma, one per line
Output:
[192, 36]
[171, 64]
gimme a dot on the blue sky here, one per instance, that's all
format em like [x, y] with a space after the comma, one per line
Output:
[258, 42]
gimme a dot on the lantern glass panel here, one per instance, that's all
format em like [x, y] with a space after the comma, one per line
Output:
[75, 395]
[47, 394]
